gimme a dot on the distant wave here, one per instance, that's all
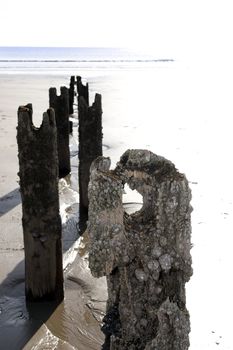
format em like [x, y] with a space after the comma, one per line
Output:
[87, 61]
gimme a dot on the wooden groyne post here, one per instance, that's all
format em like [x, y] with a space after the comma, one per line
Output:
[90, 145]
[71, 94]
[60, 104]
[82, 90]
[145, 255]
[38, 173]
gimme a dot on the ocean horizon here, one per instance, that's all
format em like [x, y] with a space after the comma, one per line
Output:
[65, 59]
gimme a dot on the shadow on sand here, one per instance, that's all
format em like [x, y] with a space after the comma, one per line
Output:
[9, 201]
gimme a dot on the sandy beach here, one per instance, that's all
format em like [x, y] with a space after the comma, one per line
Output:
[147, 109]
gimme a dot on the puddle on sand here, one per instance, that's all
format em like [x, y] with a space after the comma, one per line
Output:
[77, 320]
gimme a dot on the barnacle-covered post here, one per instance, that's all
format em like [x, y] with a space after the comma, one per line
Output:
[38, 172]
[82, 90]
[145, 255]
[71, 94]
[90, 144]
[60, 104]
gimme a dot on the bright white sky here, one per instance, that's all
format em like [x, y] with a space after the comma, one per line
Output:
[168, 27]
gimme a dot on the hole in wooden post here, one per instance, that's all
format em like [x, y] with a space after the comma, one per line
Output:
[132, 200]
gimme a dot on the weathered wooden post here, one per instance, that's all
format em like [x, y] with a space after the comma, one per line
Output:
[145, 255]
[38, 172]
[71, 94]
[90, 144]
[60, 104]
[83, 90]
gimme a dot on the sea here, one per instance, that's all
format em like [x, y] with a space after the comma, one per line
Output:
[41, 60]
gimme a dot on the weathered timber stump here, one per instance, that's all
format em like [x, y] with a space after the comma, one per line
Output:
[38, 172]
[71, 94]
[82, 90]
[90, 145]
[145, 255]
[60, 104]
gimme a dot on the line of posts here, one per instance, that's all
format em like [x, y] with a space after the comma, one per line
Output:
[145, 256]
[44, 157]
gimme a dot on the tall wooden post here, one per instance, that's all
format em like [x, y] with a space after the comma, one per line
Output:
[71, 94]
[60, 104]
[83, 90]
[90, 144]
[38, 172]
